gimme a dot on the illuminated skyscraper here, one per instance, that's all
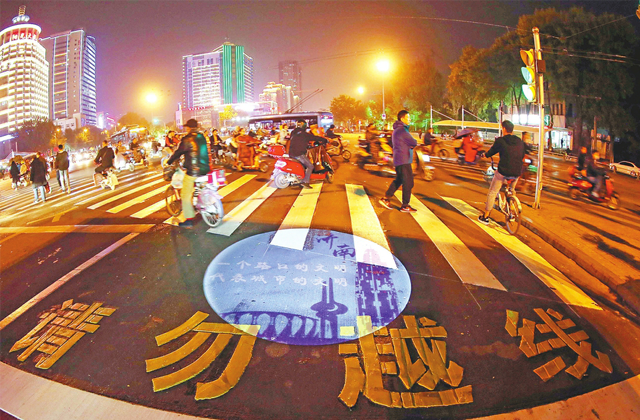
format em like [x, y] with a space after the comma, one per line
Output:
[24, 74]
[72, 81]
[223, 76]
[289, 74]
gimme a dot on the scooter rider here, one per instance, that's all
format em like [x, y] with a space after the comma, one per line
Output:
[196, 163]
[104, 158]
[595, 174]
[330, 134]
[298, 149]
[511, 150]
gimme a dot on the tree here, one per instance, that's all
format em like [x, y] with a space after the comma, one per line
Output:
[470, 85]
[227, 114]
[347, 110]
[131, 118]
[417, 87]
[598, 88]
[35, 134]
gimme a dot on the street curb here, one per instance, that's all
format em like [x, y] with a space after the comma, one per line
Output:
[629, 292]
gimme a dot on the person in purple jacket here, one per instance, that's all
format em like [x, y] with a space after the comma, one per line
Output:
[403, 144]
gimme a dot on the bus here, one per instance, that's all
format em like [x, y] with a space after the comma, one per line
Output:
[129, 132]
[267, 122]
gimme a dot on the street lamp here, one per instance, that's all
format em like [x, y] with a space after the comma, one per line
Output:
[360, 90]
[383, 67]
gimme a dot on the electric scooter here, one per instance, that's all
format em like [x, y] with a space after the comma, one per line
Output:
[288, 171]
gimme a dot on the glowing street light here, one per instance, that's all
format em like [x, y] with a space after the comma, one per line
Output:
[383, 67]
[151, 98]
[360, 90]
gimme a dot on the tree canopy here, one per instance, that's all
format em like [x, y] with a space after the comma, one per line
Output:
[346, 109]
[577, 47]
[132, 118]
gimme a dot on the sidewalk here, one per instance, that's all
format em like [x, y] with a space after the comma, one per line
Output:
[605, 243]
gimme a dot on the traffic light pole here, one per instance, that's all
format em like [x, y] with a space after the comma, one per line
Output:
[540, 96]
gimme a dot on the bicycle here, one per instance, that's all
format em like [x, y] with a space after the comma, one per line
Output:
[206, 199]
[508, 204]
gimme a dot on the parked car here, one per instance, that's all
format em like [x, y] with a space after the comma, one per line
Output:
[625, 167]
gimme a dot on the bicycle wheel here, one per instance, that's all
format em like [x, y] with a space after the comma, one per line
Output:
[173, 201]
[214, 213]
[512, 215]
[443, 154]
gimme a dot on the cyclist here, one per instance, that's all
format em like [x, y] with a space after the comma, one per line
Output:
[511, 150]
[104, 158]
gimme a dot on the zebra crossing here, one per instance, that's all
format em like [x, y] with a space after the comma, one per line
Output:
[140, 196]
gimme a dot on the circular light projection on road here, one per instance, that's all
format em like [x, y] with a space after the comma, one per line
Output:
[306, 287]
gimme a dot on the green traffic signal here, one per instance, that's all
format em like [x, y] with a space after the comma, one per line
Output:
[529, 74]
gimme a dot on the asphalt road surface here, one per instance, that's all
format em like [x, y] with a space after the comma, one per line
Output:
[101, 291]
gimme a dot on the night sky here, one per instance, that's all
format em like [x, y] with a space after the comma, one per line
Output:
[140, 44]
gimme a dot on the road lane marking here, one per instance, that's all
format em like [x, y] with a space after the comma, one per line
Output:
[298, 218]
[119, 196]
[549, 275]
[64, 279]
[466, 265]
[239, 214]
[224, 191]
[365, 225]
[8, 237]
[77, 229]
[139, 199]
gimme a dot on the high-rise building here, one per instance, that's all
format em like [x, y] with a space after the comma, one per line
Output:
[280, 97]
[289, 74]
[222, 76]
[72, 80]
[24, 75]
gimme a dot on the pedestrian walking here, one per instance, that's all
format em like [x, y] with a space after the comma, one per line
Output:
[62, 166]
[38, 178]
[14, 171]
[403, 144]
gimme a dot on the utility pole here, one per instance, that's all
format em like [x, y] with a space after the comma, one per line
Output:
[540, 67]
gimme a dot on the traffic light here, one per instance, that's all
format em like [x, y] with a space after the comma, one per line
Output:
[529, 74]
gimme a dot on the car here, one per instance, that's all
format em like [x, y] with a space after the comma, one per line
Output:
[625, 167]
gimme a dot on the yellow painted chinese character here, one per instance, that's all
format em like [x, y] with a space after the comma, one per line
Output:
[386, 352]
[203, 330]
[59, 329]
[576, 341]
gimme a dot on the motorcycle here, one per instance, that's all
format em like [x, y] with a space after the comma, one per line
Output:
[420, 161]
[140, 156]
[376, 156]
[249, 157]
[126, 162]
[288, 171]
[106, 179]
[580, 186]
[337, 147]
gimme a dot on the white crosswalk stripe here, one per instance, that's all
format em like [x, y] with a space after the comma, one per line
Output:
[549, 275]
[295, 226]
[466, 265]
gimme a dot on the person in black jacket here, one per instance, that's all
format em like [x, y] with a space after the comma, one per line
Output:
[14, 171]
[62, 165]
[196, 163]
[39, 178]
[511, 150]
[298, 150]
[104, 158]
